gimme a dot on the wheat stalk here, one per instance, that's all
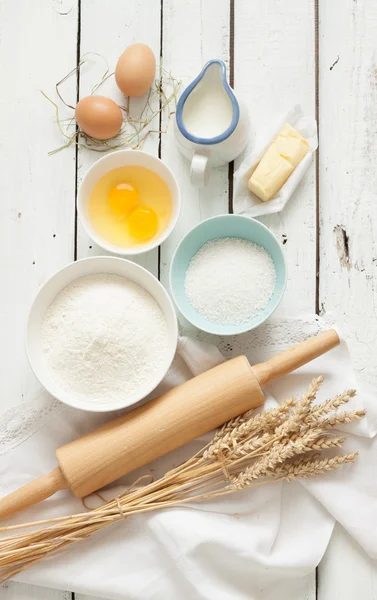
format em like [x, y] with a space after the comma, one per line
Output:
[307, 467]
[284, 443]
[333, 404]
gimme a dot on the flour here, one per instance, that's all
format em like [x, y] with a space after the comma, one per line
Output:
[230, 280]
[104, 338]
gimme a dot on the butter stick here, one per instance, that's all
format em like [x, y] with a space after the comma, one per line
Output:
[278, 163]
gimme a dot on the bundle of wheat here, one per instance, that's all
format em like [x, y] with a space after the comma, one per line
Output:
[284, 443]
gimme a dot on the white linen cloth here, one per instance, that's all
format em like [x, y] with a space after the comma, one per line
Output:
[255, 544]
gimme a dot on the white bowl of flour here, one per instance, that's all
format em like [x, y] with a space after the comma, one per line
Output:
[101, 334]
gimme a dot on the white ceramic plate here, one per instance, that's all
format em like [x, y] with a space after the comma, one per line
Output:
[49, 291]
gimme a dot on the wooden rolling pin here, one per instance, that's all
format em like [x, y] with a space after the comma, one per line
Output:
[163, 424]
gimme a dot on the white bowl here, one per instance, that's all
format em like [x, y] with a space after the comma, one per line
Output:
[49, 291]
[114, 160]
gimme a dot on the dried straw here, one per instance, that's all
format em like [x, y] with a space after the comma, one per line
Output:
[159, 105]
[285, 443]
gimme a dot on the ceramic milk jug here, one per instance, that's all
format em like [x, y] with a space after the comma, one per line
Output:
[211, 126]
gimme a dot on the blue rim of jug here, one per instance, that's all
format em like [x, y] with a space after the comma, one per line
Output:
[236, 109]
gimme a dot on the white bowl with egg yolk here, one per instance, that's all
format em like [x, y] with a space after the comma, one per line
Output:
[116, 160]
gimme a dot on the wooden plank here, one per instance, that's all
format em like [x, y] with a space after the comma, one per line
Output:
[108, 33]
[206, 19]
[346, 572]
[193, 33]
[274, 70]
[37, 191]
[303, 588]
[86, 597]
[348, 210]
[348, 181]
[22, 591]
[38, 46]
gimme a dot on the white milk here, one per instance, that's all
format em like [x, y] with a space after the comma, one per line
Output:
[208, 109]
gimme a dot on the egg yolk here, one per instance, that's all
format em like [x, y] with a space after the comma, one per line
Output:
[142, 223]
[123, 198]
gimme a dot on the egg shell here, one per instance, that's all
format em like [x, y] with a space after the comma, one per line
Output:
[135, 70]
[99, 117]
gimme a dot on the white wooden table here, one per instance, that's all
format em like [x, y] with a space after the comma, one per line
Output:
[279, 52]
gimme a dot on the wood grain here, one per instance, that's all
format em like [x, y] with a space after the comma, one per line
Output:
[38, 46]
[160, 426]
[346, 572]
[348, 177]
[274, 70]
[33, 492]
[23, 591]
[37, 191]
[348, 232]
[193, 32]
[295, 357]
[108, 32]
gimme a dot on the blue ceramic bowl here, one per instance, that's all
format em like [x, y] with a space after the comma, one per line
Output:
[221, 227]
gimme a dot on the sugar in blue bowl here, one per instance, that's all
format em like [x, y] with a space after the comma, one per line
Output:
[225, 226]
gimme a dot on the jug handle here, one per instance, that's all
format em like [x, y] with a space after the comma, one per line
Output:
[199, 172]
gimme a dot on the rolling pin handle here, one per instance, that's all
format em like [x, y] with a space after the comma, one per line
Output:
[287, 361]
[41, 488]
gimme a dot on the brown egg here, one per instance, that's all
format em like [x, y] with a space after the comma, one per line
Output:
[135, 70]
[99, 117]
